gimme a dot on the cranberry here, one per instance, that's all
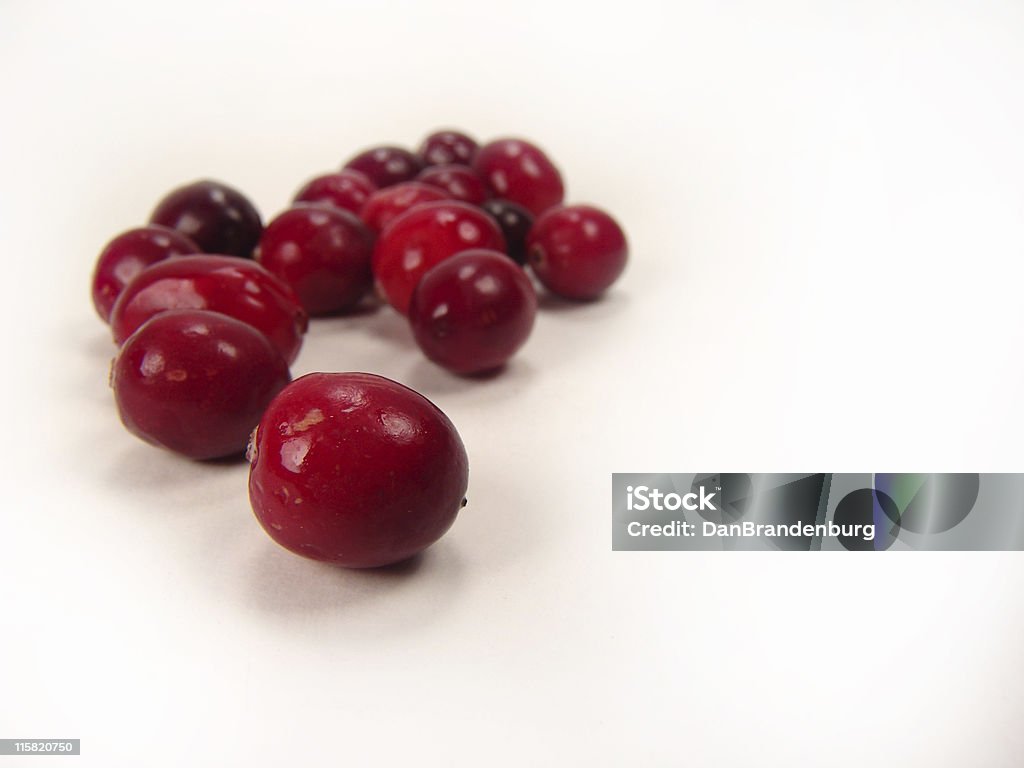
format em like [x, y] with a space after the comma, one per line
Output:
[128, 254]
[459, 181]
[226, 284]
[446, 147]
[218, 218]
[518, 171]
[347, 189]
[577, 251]
[472, 312]
[386, 165]
[425, 236]
[321, 252]
[515, 222]
[196, 382]
[355, 469]
[389, 203]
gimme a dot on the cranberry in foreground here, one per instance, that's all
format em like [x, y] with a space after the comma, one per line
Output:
[127, 255]
[196, 382]
[387, 204]
[386, 165]
[472, 312]
[424, 236]
[459, 181]
[236, 287]
[519, 171]
[356, 470]
[347, 189]
[323, 253]
[219, 218]
[447, 147]
[577, 251]
[515, 222]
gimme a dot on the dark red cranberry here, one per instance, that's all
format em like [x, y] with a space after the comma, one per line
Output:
[323, 253]
[196, 382]
[217, 217]
[387, 204]
[386, 165]
[128, 254]
[447, 147]
[519, 171]
[459, 181]
[356, 470]
[424, 236]
[230, 285]
[515, 222]
[472, 312]
[347, 189]
[577, 251]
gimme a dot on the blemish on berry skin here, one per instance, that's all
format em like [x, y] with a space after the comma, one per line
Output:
[152, 363]
[293, 453]
[397, 426]
[251, 452]
[313, 416]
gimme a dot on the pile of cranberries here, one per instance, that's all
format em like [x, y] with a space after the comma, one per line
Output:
[209, 308]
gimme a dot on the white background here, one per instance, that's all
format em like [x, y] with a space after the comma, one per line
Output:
[825, 203]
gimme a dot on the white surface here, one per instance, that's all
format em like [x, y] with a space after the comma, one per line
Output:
[826, 208]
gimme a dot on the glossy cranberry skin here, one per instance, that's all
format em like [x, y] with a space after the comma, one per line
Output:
[219, 218]
[447, 147]
[388, 204]
[519, 171]
[196, 382]
[230, 285]
[346, 189]
[577, 251]
[323, 253]
[459, 181]
[386, 165]
[472, 312]
[515, 222]
[356, 470]
[127, 255]
[424, 236]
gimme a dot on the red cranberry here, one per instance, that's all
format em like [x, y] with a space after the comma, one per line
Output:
[218, 218]
[386, 165]
[347, 189]
[356, 470]
[323, 253]
[424, 236]
[518, 171]
[230, 285]
[196, 382]
[459, 181]
[577, 251]
[515, 222]
[387, 204]
[447, 147]
[128, 254]
[472, 312]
